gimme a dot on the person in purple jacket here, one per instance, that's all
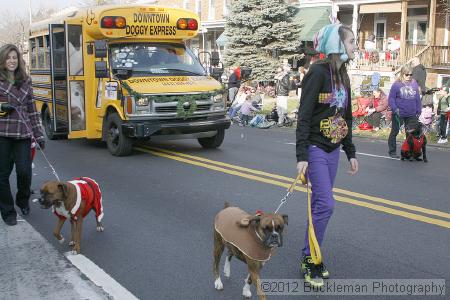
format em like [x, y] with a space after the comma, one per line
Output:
[404, 100]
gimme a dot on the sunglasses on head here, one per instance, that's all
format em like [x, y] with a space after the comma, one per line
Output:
[408, 74]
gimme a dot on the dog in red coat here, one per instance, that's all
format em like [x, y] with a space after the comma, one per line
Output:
[72, 200]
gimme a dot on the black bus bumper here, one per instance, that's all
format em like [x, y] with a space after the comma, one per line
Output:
[145, 129]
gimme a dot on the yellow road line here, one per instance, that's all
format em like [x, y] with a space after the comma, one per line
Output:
[336, 190]
[388, 210]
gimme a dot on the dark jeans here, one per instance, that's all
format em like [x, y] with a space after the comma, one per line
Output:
[14, 152]
[375, 119]
[246, 119]
[443, 126]
[396, 124]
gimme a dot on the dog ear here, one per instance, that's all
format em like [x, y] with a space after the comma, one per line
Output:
[285, 219]
[255, 220]
[245, 222]
[63, 188]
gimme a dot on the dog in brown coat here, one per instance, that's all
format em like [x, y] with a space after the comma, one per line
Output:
[251, 238]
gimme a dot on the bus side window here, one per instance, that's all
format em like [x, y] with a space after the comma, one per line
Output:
[47, 51]
[75, 50]
[33, 53]
[40, 52]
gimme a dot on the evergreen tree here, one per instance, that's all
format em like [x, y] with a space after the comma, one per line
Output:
[260, 33]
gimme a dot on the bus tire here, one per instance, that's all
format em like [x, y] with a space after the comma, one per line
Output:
[214, 141]
[118, 144]
[47, 123]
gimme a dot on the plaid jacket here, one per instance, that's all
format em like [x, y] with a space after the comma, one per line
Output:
[11, 124]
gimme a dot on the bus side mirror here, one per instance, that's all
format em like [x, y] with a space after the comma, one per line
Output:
[100, 49]
[215, 59]
[101, 69]
[245, 73]
[216, 73]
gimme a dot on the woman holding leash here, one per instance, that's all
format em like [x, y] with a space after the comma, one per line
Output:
[18, 116]
[324, 123]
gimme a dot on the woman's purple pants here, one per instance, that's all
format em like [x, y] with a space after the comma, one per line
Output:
[322, 169]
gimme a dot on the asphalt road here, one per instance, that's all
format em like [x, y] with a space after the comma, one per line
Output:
[160, 206]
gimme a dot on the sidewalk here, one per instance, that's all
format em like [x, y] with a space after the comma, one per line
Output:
[31, 268]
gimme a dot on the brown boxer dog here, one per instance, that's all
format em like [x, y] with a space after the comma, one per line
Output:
[251, 238]
[72, 200]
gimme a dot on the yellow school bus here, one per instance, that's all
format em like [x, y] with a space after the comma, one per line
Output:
[123, 74]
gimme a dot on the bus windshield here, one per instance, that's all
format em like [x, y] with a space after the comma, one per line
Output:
[155, 59]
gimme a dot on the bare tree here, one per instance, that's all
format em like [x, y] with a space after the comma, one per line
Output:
[13, 29]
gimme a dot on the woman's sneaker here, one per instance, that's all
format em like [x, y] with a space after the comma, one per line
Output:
[313, 274]
[442, 141]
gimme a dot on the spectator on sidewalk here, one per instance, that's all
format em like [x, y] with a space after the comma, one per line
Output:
[378, 108]
[298, 80]
[282, 90]
[234, 83]
[444, 114]
[19, 122]
[240, 99]
[419, 74]
[404, 101]
[247, 110]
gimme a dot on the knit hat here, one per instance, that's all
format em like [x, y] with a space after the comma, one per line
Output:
[328, 41]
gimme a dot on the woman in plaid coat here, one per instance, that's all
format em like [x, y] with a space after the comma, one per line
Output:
[19, 122]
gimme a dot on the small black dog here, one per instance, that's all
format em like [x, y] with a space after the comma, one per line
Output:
[415, 143]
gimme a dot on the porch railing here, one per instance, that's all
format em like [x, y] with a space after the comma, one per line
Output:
[430, 56]
[376, 59]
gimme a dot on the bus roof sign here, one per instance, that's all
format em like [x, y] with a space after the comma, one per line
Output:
[143, 22]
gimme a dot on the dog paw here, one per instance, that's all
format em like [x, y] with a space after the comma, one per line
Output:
[246, 291]
[218, 285]
[61, 241]
[73, 252]
[71, 243]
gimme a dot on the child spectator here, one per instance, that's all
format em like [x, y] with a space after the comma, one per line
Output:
[378, 108]
[246, 110]
[240, 99]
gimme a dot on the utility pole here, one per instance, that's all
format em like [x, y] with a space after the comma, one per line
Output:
[29, 11]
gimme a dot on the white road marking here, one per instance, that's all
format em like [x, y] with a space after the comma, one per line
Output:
[361, 153]
[99, 277]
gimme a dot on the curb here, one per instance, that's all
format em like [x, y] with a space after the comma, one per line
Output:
[440, 146]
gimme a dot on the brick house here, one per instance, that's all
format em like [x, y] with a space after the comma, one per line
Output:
[403, 29]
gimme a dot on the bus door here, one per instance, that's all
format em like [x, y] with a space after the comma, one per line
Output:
[76, 83]
[58, 73]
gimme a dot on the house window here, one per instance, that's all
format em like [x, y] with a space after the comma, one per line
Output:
[417, 26]
[443, 80]
[186, 4]
[198, 8]
[212, 10]
[417, 11]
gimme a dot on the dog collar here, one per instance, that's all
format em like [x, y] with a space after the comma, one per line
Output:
[259, 237]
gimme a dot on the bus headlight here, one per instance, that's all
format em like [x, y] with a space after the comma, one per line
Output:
[218, 102]
[142, 101]
[217, 98]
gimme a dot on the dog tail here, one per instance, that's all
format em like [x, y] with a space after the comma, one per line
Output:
[226, 204]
